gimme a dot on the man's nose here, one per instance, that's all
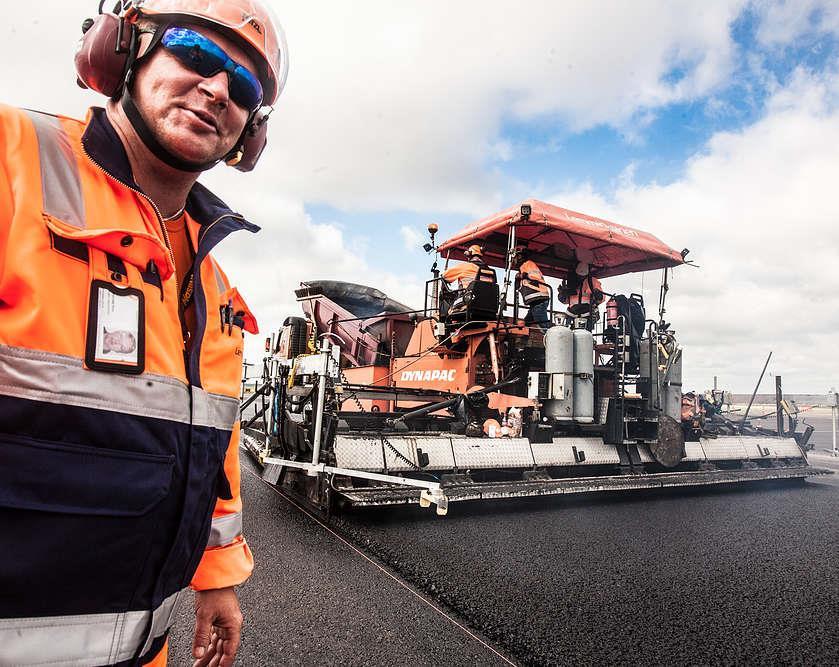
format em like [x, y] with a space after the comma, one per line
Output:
[217, 88]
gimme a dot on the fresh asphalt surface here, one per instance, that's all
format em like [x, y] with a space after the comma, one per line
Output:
[690, 577]
[313, 600]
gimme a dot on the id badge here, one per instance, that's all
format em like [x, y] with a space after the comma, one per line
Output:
[115, 329]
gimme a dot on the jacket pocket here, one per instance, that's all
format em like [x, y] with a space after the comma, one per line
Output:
[84, 528]
[242, 315]
[223, 344]
[75, 479]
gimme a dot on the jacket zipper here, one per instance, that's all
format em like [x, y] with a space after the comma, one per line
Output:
[148, 199]
[188, 286]
[166, 241]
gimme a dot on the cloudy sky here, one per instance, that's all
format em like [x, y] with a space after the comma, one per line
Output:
[714, 125]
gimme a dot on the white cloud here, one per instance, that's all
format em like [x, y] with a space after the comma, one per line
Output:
[411, 238]
[758, 210]
[501, 150]
[783, 22]
[399, 106]
[402, 102]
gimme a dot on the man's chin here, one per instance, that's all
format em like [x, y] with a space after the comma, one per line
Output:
[190, 151]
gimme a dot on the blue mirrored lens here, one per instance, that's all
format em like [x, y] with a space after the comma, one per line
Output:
[245, 87]
[204, 56]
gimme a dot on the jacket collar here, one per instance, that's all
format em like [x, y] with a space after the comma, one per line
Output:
[103, 145]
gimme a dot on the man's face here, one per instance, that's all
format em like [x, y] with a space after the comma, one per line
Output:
[118, 341]
[192, 116]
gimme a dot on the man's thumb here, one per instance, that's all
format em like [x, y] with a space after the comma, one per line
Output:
[201, 641]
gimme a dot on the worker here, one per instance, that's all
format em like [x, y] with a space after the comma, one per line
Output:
[121, 340]
[583, 295]
[533, 290]
[460, 277]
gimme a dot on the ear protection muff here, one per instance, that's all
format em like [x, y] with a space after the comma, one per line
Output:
[104, 58]
[104, 54]
[251, 144]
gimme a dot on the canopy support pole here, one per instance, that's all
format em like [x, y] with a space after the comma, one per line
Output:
[511, 250]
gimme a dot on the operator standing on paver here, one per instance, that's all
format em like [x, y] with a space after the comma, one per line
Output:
[121, 340]
[533, 290]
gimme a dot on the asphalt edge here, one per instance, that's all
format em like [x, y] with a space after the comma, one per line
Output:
[420, 584]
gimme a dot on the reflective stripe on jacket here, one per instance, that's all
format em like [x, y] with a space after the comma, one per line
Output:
[532, 285]
[116, 490]
[588, 296]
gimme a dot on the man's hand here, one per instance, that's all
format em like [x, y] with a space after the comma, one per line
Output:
[218, 627]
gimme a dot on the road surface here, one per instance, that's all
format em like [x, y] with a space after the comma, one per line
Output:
[686, 577]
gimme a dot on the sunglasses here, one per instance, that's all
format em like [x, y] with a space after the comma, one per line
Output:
[204, 56]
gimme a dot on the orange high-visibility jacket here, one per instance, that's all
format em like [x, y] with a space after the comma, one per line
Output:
[119, 484]
[588, 296]
[532, 285]
[460, 276]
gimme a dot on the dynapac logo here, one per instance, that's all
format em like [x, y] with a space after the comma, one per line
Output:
[428, 376]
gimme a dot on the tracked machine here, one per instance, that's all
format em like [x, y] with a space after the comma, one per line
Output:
[364, 401]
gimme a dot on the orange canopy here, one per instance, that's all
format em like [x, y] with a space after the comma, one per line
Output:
[557, 239]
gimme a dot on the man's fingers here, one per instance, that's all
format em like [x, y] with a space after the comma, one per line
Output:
[218, 609]
[217, 652]
[211, 653]
[231, 637]
[229, 649]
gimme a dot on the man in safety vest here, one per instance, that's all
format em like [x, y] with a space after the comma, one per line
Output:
[121, 340]
[583, 295]
[533, 291]
[460, 277]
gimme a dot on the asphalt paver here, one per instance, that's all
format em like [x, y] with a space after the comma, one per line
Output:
[313, 600]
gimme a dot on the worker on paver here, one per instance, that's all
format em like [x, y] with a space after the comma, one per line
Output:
[460, 277]
[533, 290]
[121, 340]
[583, 295]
